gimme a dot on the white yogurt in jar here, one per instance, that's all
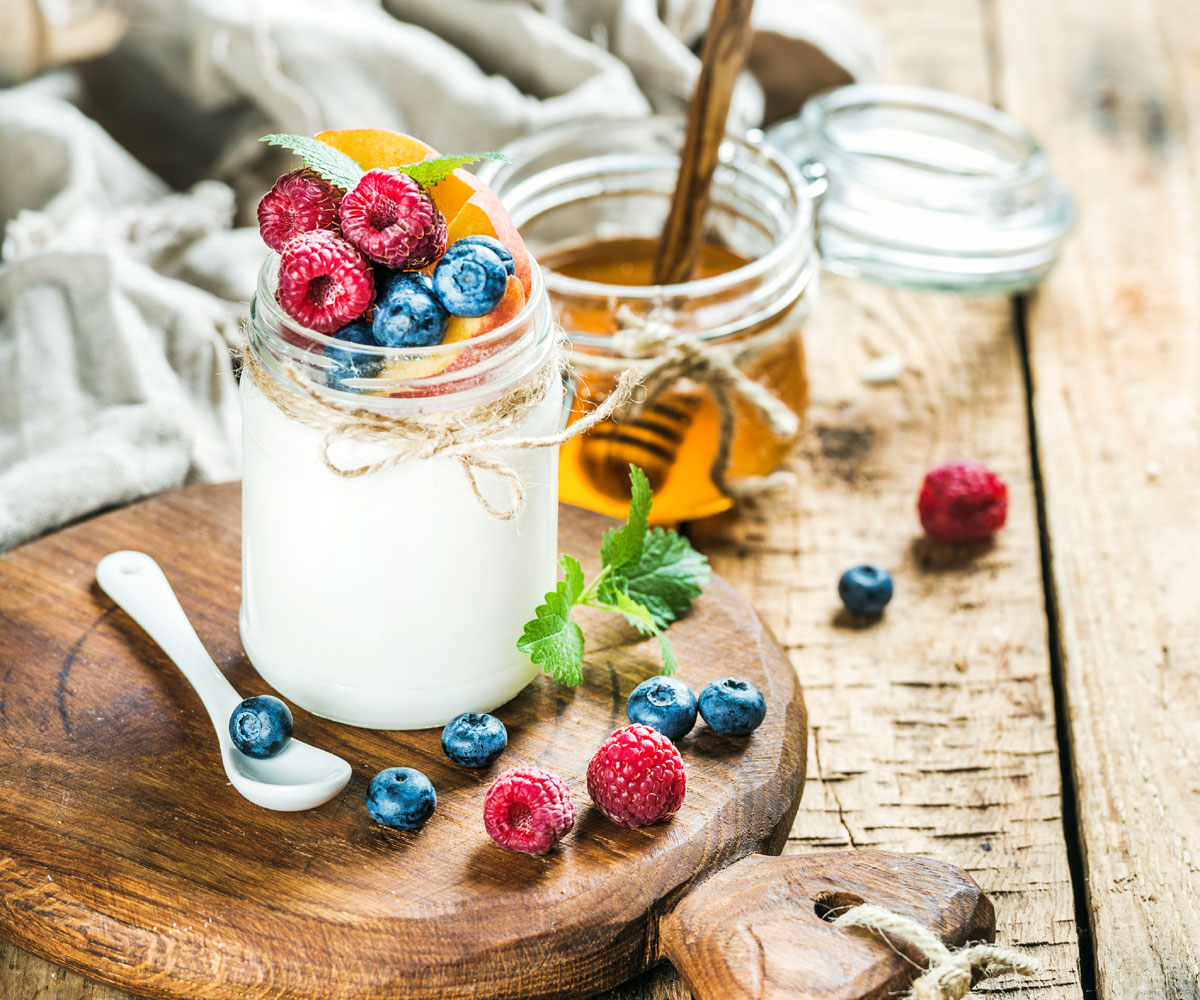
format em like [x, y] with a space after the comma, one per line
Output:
[393, 600]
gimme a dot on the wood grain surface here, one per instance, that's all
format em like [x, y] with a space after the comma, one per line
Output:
[1113, 90]
[932, 732]
[738, 936]
[935, 731]
[128, 855]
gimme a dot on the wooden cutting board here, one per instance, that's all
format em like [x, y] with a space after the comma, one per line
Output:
[125, 855]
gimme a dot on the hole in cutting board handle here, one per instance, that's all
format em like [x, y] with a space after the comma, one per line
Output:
[831, 905]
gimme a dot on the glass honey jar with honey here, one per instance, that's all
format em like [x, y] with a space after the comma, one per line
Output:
[906, 186]
[721, 354]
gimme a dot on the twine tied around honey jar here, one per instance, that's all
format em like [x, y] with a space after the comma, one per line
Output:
[469, 435]
[663, 355]
[950, 974]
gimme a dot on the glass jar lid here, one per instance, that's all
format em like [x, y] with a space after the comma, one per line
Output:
[922, 188]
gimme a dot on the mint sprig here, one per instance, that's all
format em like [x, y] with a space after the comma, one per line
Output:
[332, 164]
[649, 576]
[430, 172]
[338, 168]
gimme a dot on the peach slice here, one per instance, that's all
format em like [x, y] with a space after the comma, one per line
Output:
[377, 147]
[458, 330]
[483, 215]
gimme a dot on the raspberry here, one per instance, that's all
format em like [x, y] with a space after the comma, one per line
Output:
[636, 777]
[429, 247]
[324, 282]
[392, 219]
[528, 810]
[297, 203]
[962, 502]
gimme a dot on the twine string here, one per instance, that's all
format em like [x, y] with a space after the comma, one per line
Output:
[950, 974]
[473, 436]
[664, 355]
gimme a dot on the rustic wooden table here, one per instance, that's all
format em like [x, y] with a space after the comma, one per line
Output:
[1030, 712]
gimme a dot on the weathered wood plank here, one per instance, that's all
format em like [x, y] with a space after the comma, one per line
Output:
[933, 731]
[956, 677]
[1114, 91]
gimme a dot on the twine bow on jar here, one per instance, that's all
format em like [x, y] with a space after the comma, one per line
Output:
[662, 355]
[473, 436]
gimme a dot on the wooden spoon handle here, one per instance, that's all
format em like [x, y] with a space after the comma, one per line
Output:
[724, 53]
[758, 929]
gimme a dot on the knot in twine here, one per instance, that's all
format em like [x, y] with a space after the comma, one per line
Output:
[470, 435]
[663, 355]
[950, 973]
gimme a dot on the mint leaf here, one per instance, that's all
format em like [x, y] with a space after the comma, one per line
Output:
[332, 164]
[640, 618]
[553, 639]
[429, 172]
[667, 576]
[622, 546]
[650, 577]
[574, 576]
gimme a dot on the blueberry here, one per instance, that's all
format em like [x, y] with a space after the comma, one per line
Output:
[865, 590]
[401, 797]
[498, 248]
[349, 363]
[665, 704]
[470, 279]
[408, 313]
[261, 726]
[474, 739]
[732, 707]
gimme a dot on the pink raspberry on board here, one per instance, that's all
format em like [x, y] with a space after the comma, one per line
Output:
[636, 777]
[297, 203]
[392, 219]
[962, 502]
[528, 810]
[324, 283]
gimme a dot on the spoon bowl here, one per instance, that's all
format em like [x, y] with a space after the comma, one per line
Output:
[300, 776]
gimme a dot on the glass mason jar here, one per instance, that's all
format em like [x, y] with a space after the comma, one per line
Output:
[924, 189]
[391, 599]
[590, 200]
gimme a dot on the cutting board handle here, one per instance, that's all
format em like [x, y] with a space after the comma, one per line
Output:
[760, 930]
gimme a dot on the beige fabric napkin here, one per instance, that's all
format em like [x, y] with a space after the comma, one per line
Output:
[121, 280]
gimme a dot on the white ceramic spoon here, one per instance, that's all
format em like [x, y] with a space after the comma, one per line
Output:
[301, 777]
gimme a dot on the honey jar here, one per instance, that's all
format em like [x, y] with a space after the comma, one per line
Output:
[721, 354]
[901, 185]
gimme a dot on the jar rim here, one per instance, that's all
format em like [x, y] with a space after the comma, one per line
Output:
[819, 112]
[458, 374]
[793, 241]
[275, 316]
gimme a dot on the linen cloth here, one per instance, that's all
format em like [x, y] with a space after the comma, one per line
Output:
[124, 177]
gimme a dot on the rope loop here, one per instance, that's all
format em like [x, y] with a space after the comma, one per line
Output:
[663, 355]
[950, 973]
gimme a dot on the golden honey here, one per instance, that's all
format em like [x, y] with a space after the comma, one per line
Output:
[675, 439]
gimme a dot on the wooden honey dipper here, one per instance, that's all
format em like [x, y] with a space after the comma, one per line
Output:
[652, 439]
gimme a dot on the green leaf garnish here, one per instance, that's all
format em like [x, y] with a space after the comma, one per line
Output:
[622, 546]
[648, 576]
[638, 615]
[332, 164]
[552, 639]
[667, 577]
[429, 172]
